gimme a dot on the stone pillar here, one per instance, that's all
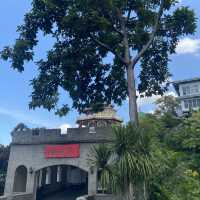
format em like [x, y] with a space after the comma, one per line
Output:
[48, 176]
[40, 178]
[68, 175]
[9, 179]
[92, 181]
[31, 182]
[59, 172]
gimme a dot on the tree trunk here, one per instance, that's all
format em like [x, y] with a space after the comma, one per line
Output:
[133, 113]
[141, 191]
[128, 194]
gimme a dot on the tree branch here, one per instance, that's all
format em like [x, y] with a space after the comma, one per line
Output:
[114, 27]
[108, 48]
[146, 46]
[117, 30]
[129, 15]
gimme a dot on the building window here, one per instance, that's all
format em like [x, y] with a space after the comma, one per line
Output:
[101, 124]
[186, 90]
[194, 103]
[191, 103]
[186, 104]
[195, 89]
[198, 102]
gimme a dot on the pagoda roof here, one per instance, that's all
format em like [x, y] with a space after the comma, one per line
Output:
[109, 113]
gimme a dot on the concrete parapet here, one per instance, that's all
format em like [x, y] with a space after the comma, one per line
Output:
[44, 136]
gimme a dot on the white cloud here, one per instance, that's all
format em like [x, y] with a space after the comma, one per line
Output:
[150, 100]
[147, 100]
[23, 117]
[64, 128]
[28, 118]
[151, 111]
[188, 46]
[172, 94]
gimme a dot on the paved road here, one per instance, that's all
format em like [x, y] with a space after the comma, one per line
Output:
[66, 195]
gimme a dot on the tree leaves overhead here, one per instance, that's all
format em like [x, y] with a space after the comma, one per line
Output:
[85, 33]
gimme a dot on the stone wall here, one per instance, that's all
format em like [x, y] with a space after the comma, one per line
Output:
[52, 136]
[27, 150]
[33, 158]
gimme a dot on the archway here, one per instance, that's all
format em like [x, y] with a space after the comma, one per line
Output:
[61, 182]
[20, 179]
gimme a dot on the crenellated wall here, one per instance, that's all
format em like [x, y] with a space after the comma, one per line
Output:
[54, 136]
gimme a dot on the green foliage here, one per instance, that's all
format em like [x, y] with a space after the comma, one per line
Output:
[4, 155]
[86, 32]
[167, 104]
[124, 162]
[167, 147]
[175, 153]
[174, 177]
[187, 136]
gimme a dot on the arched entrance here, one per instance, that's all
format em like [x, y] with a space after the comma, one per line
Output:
[20, 179]
[61, 182]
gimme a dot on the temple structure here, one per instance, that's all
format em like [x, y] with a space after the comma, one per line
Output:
[44, 162]
[104, 118]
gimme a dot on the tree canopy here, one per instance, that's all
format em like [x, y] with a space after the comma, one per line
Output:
[86, 33]
[167, 104]
[175, 153]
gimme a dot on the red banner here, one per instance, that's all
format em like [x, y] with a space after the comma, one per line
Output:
[62, 151]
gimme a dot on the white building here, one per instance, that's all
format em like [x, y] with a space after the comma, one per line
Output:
[188, 93]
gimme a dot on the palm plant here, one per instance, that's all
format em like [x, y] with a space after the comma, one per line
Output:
[125, 164]
[99, 157]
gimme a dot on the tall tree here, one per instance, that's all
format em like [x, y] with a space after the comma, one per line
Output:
[167, 104]
[86, 32]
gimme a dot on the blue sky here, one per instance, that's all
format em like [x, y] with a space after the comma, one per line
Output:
[15, 89]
